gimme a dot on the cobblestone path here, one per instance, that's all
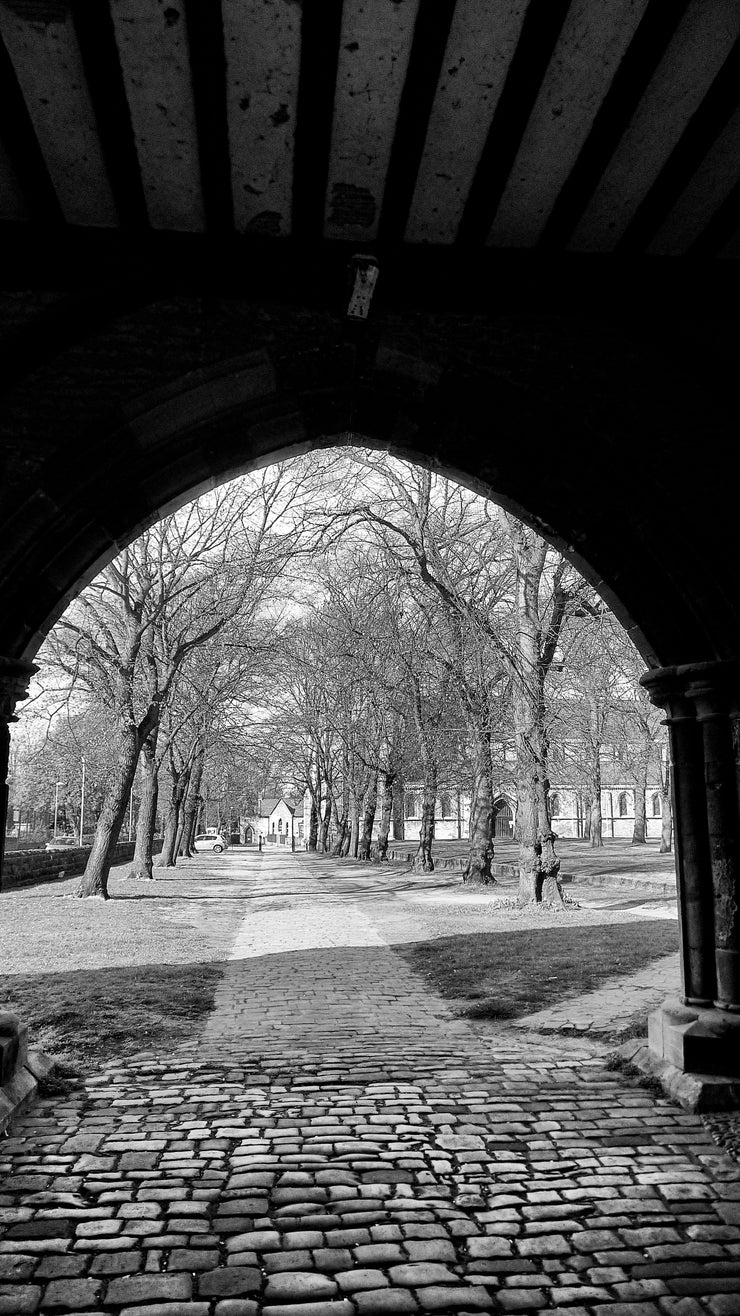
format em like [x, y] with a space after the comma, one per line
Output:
[334, 1143]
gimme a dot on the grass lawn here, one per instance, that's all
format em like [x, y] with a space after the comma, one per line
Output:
[87, 1017]
[502, 975]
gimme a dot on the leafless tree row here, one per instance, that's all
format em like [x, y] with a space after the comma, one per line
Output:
[346, 623]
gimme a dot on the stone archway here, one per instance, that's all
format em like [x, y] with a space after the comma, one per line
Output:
[159, 447]
[162, 402]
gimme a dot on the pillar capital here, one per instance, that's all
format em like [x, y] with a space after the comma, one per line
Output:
[15, 674]
[695, 690]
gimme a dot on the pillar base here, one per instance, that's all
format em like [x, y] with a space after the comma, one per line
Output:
[694, 1052]
[696, 1039]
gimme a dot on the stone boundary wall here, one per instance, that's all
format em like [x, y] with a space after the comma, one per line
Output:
[28, 867]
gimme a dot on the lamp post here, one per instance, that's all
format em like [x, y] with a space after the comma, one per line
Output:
[82, 801]
[56, 807]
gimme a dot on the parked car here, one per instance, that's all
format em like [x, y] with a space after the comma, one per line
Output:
[62, 842]
[211, 841]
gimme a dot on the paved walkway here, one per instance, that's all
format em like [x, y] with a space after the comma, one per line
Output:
[613, 1008]
[334, 1143]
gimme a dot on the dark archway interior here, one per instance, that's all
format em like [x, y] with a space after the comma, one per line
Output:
[616, 440]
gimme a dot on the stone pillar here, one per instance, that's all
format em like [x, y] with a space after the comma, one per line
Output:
[714, 691]
[14, 678]
[701, 1032]
[668, 690]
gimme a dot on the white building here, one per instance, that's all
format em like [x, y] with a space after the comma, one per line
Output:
[569, 812]
[273, 823]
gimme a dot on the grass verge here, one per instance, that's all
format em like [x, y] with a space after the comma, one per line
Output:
[503, 975]
[85, 1018]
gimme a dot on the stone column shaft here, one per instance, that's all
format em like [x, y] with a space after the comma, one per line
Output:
[693, 868]
[714, 695]
[702, 704]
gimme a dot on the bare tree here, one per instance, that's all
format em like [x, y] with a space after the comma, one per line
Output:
[127, 636]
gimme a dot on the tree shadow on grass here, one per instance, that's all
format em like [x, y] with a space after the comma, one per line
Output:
[88, 1017]
[507, 974]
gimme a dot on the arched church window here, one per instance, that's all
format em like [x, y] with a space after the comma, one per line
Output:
[656, 805]
[410, 809]
[445, 806]
[622, 804]
[554, 805]
[280, 824]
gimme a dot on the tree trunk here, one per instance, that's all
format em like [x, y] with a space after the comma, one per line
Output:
[368, 818]
[423, 861]
[190, 809]
[426, 729]
[397, 813]
[313, 826]
[386, 810]
[354, 816]
[639, 831]
[180, 848]
[194, 825]
[341, 842]
[325, 823]
[530, 875]
[538, 862]
[94, 881]
[666, 826]
[168, 855]
[481, 848]
[596, 822]
[141, 864]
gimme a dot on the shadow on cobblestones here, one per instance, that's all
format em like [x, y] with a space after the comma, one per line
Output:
[331, 1141]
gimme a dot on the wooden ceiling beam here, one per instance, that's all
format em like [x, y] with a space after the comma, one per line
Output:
[208, 73]
[321, 25]
[97, 45]
[539, 35]
[431, 33]
[23, 150]
[700, 134]
[645, 51]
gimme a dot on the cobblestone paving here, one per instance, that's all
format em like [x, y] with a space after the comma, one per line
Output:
[334, 1143]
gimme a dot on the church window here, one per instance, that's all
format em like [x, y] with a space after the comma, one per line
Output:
[622, 804]
[656, 805]
[554, 805]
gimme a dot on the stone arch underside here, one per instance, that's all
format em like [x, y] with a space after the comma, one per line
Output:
[575, 428]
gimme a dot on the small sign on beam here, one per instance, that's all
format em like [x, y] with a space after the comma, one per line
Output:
[364, 272]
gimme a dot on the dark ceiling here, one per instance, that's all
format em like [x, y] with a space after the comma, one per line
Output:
[438, 133]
